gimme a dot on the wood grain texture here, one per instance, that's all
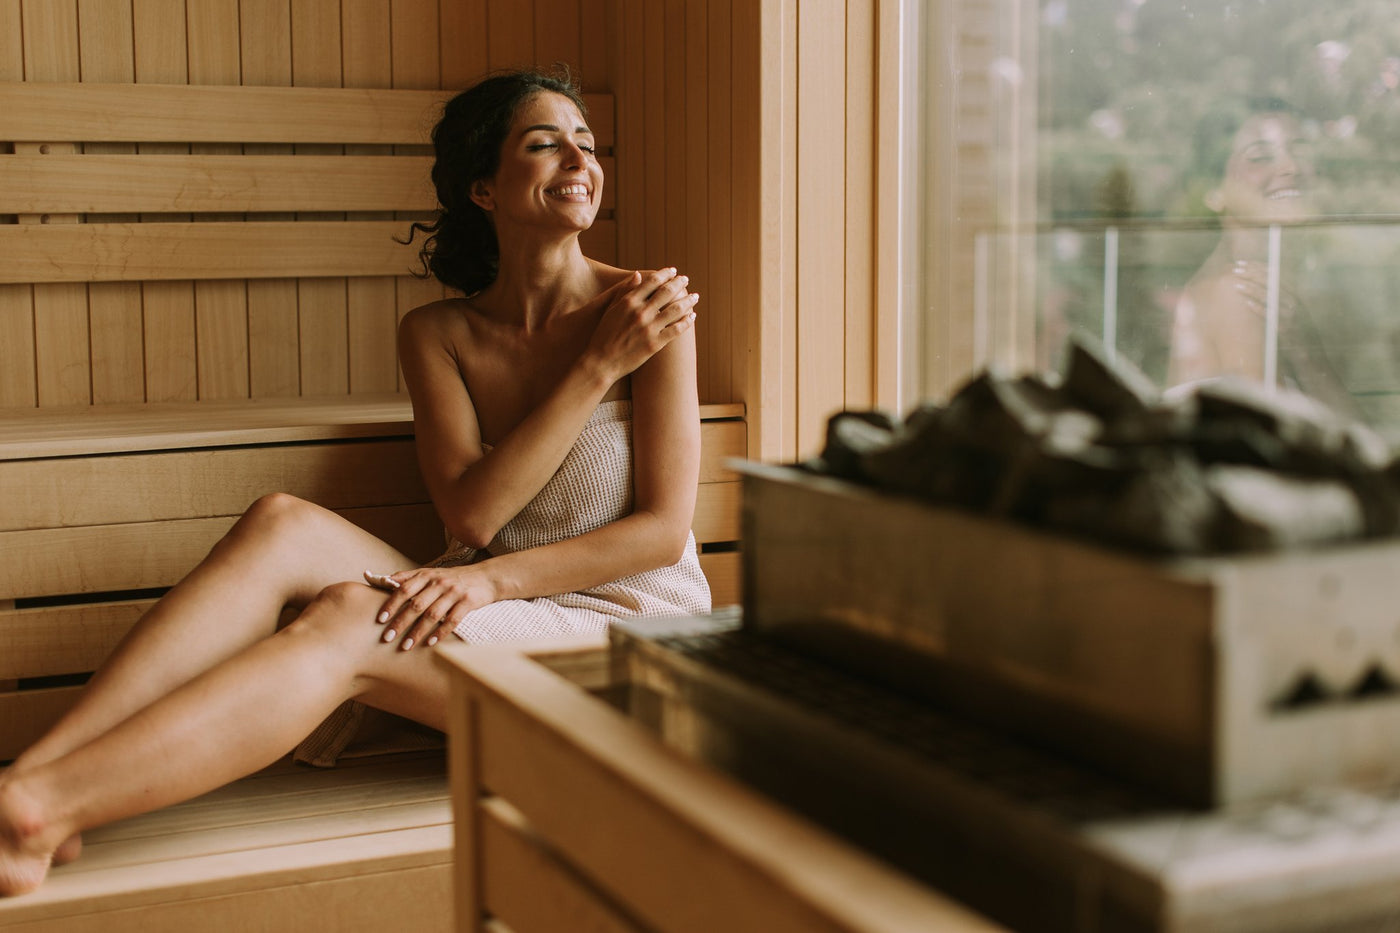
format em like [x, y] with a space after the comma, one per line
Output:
[17, 385]
[821, 216]
[142, 555]
[213, 114]
[172, 184]
[64, 639]
[462, 42]
[191, 483]
[518, 869]
[304, 847]
[763, 868]
[201, 250]
[724, 572]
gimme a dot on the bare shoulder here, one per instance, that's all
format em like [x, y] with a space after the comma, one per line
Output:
[435, 317]
[445, 323]
[608, 276]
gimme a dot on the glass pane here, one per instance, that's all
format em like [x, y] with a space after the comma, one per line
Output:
[1215, 192]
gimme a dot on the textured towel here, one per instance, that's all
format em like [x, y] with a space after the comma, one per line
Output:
[592, 487]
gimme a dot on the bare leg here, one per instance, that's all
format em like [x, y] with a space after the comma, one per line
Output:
[207, 731]
[283, 551]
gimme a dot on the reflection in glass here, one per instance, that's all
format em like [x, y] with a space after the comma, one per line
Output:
[1216, 194]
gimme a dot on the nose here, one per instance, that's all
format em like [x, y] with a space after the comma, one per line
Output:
[572, 155]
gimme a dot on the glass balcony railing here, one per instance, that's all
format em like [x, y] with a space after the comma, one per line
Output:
[1313, 306]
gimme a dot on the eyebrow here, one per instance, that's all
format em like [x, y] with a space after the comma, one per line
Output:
[554, 129]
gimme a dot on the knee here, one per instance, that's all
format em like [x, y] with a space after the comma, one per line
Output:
[272, 517]
[338, 607]
[275, 510]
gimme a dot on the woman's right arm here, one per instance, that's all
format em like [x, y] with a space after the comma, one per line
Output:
[476, 494]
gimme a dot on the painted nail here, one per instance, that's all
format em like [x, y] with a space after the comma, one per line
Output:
[383, 617]
[407, 643]
[432, 640]
[389, 635]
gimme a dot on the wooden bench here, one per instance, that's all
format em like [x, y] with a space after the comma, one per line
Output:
[191, 318]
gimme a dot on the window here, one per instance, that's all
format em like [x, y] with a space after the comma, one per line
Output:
[1207, 186]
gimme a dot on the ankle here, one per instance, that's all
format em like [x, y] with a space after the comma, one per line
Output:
[23, 819]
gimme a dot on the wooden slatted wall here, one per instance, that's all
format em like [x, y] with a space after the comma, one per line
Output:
[757, 149]
[163, 338]
[688, 160]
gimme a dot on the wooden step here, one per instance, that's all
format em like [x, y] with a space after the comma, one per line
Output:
[365, 846]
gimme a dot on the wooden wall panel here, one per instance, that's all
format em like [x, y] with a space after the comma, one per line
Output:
[229, 339]
[463, 42]
[168, 336]
[62, 359]
[821, 215]
[678, 100]
[752, 164]
[17, 387]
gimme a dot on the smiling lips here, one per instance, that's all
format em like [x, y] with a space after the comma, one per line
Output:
[572, 192]
[1284, 194]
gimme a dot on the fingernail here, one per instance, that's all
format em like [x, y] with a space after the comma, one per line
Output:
[432, 640]
[692, 316]
[407, 643]
[389, 635]
[383, 617]
[683, 279]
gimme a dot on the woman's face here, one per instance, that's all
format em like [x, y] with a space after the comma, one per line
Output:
[1269, 177]
[548, 176]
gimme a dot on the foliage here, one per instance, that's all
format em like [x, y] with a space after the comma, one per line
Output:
[1126, 84]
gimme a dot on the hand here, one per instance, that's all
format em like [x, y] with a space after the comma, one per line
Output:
[643, 313]
[427, 603]
[1251, 281]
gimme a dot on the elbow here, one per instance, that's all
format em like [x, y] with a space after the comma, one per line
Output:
[471, 534]
[670, 543]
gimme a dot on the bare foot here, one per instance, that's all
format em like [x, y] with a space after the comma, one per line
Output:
[71, 848]
[24, 859]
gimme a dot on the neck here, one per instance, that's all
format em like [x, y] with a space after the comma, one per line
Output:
[1245, 243]
[536, 280]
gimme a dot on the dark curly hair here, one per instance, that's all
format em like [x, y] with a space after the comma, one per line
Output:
[461, 250]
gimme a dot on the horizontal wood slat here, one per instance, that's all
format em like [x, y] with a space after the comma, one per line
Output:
[27, 714]
[149, 252]
[515, 868]
[64, 639]
[146, 252]
[179, 113]
[265, 844]
[721, 441]
[229, 183]
[377, 895]
[198, 483]
[723, 570]
[169, 183]
[717, 512]
[86, 430]
[104, 558]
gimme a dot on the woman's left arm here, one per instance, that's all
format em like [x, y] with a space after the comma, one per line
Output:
[666, 471]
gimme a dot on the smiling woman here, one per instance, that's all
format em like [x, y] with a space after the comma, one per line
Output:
[1265, 177]
[557, 426]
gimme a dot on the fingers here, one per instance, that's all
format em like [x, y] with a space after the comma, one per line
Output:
[422, 609]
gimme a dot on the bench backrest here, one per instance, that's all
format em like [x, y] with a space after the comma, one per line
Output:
[214, 242]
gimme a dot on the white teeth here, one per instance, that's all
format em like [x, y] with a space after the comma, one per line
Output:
[1285, 193]
[569, 190]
